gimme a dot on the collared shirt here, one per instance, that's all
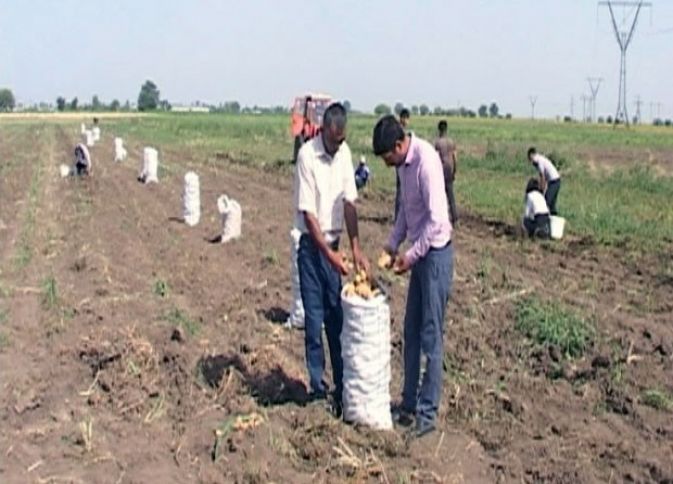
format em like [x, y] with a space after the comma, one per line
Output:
[535, 205]
[546, 167]
[424, 215]
[322, 184]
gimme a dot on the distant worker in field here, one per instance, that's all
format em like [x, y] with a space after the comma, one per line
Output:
[536, 221]
[362, 173]
[324, 198]
[550, 180]
[83, 164]
[405, 118]
[446, 148]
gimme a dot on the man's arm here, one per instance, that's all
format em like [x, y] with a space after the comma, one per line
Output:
[351, 216]
[334, 258]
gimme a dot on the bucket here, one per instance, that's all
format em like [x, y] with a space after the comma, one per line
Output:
[557, 226]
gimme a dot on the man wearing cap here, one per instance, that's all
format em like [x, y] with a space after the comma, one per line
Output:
[324, 198]
[423, 219]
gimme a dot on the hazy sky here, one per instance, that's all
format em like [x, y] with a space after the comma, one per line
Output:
[440, 52]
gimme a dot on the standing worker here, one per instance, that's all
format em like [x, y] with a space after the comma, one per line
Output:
[550, 180]
[325, 195]
[446, 148]
[423, 220]
[405, 116]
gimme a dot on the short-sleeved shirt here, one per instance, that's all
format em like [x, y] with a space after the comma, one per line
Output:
[546, 167]
[535, 205]
[322, 183]
[446, 149]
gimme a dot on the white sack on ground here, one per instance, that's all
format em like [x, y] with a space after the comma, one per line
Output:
[296, 318]
[150, 166]
[120, 151]
[96, 133]
[230, 211]
[191, 199]
[365, 348]
[83, 128]
[88, 137]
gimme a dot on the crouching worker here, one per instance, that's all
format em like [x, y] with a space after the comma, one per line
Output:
[324, 202]
[536, 220]
[82, 161]
[362, 173]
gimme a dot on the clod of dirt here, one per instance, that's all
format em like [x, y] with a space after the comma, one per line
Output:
[79, 265]
[178, 335]
[555, 354]
[601, 361]
[28, 401]
[96, 360]
[213, 367]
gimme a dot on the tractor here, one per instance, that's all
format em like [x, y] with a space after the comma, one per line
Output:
[306, 120]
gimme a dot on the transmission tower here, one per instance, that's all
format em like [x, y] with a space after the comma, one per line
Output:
[623, 39]
[638, 104]
[585, 98]
[533, 100]
[594, 85]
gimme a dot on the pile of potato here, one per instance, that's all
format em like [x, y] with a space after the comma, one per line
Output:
[362, 286]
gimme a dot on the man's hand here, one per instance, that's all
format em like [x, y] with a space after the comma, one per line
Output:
[361, 262]
[387, 258]
[337, 261]
[401, 265]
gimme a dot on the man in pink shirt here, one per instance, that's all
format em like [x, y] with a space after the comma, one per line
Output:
[423, 220]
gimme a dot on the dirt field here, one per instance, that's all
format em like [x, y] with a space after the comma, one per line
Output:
[98, 386]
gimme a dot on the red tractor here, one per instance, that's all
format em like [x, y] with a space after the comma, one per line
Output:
[306, 119]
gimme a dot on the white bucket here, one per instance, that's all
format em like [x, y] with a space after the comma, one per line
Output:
[150, 167]
[557, 226]
[191, 199]
[96, 133]
[120, 151]
[64, 170]
[88, 136]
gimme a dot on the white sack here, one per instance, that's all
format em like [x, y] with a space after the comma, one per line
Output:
[191, 199]
[230, 211]
[296, 318]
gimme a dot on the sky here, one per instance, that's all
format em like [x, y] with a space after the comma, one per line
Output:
[438, 52]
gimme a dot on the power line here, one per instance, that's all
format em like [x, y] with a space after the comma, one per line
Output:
[624, 38]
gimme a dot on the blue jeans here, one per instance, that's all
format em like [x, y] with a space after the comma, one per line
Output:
[551, 194]
[429, 290]
[321, 295]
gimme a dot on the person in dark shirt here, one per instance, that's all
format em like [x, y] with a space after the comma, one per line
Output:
[446, 148]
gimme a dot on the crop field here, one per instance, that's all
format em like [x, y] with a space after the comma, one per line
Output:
[133, 349]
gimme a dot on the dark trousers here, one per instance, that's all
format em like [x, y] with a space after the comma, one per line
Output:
[429, 290]
[321, 295]
[540, 226]
[398, 194]
[551, 194]
[451, 199]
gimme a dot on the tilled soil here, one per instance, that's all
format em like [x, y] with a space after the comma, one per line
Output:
[135, 350]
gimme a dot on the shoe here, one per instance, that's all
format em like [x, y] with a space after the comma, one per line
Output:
[402, 417]
[424, 427]
[317, 396]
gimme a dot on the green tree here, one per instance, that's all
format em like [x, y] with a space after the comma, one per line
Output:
[73, 104]
[382, 109]
[424, 109]
[95, 103]
[398, 108]
[483, 111]
[414, 110]
[127, 105]
[7, 101]
[493, 110]
[114, 105]
[347, 105]
[60, 103]
[148, 99]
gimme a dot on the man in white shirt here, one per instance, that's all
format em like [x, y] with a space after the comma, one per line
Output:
[324, 197]
[550, 180]
[536, 220]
